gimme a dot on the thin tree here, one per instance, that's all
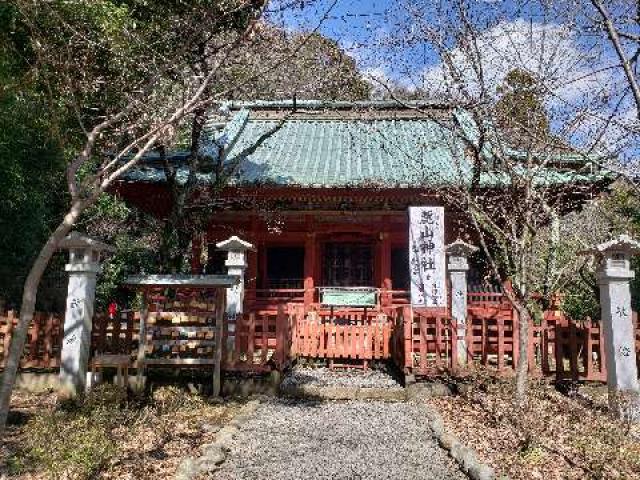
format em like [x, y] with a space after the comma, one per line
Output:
[513, 176]
[149, 107]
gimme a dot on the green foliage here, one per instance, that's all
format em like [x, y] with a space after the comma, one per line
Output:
[64, 64]
[133, 234]
[617, 213]
[580, 301]
[316, 68]
[31, 159]
[520, 108]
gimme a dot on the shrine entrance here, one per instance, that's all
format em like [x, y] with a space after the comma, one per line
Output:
[347, 264]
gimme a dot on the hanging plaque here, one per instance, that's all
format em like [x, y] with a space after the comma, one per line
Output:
[427, 257]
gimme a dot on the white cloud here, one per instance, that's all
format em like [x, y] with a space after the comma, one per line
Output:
[549, 51]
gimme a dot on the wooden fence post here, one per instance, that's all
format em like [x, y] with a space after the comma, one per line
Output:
[217, 352]
[573, 349]
[407, 316]
[281, 339]
[559, 351]
[48, 333]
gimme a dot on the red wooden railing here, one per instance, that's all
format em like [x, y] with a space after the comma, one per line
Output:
[556, 346]
[419, 342]
[423, 341]
[258, 341]
[44, 339]
[269, 299]
[342, 335]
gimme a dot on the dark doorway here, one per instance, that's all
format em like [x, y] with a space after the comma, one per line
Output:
[347, 265]
[285, 267]
[400, 268]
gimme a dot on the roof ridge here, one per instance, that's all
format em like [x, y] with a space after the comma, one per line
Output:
[338, 104]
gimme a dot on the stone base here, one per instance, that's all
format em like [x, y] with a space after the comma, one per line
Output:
[244, 386]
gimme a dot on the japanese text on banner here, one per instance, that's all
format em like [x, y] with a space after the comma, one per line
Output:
[427, 257]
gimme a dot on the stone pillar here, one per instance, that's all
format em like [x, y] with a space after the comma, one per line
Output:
[83, 268]
[236, 265]
[458, 252]
[613, 276]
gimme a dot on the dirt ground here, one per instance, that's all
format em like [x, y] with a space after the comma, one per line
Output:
[149, 443]
[559, 435]
[567, 434]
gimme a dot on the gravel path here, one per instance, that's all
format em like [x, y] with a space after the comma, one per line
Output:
[294, 439]
[323, 377]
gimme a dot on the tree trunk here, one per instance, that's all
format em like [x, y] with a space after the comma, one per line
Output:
[28, 306]
[522, 368]
[175, 227]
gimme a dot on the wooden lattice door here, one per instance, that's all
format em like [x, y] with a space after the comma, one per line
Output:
[348, 265]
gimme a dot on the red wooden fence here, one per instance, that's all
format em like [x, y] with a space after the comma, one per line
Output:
[260, 341]
[44, 339]
[342, 335]
[257, 341]
[420, 343]
[557, 346]
[423, 341]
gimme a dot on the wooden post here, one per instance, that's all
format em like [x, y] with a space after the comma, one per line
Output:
[142, 343]
[310, 254]
[217, 352]
[559, 351]
[589, 346]
[407, 315]
[573, 349]
[48, 343]
[281, 337]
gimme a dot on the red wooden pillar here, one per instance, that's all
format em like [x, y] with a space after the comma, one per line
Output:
[252, 268]
[310, 267]
[385, 268]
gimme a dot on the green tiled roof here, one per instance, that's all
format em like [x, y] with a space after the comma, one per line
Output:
[348, 152]
[339, 151]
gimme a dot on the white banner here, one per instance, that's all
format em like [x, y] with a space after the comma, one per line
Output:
[427, 257]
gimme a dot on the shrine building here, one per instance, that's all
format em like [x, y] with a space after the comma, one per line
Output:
[343, 201]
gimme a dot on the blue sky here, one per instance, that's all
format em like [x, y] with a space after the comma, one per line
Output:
[361, 25]
[382, 36]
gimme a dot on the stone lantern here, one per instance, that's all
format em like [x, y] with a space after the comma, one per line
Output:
[83, 268]
[458, 253]
[236, 264]
[613, 276]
